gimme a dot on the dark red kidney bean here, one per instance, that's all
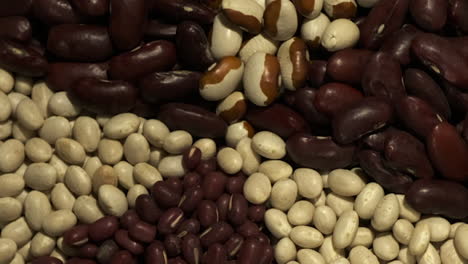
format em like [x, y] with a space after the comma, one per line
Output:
[46, 260]
[207, 166]
[191, 225]
[127, 23]
[233, 244]
[256, 212]
[191, 158]
[317, 72]
[248, 229]
[263, 238]
[223, 206]
[104, 228]
[106, 250]
[192, 179]
[458, 14]
[129, 218]
[448, 152]
[164, 195]
[207, 213]
[54, 12]
[238, 209]
[123, 240]
[464, 131]
[169, 86]
[439, 55]
[18, 58]
[372, 163]
[76, 235]
[88, 250]
[376, 141]
[190, 199]
[173, 245]
[147, 209]
[383, 77]
[92, 7]
[216, 254]
[236, 184]
[142, 232]
[405, 153]
[348, 65]
[78, 42]
[15, 8]
[327, 155]
[213, 185]
[155, 56]
[333, 97]
[398, 44]
[155, 253]
[16, 28]
[278, 119]
[177, 260]
[193, 119]
[191, 249]
[80, 261]
[122, 257]
[37, 46]
[365, 116]
[440, 197]
[461, 44]
[420, 84]
[175, 184]
[62, 75]
[170, 220]
[417, 115]
[218, 232]
[156, 29]
[180, 10]
[302, 100]
[250, 252]
[102, 96]
[457, 99]
[430, 15]
[193, 47]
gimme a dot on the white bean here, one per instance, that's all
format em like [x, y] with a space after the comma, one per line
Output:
[386, 213]
[177, 142]
[18, 231]
[345, 229]
[207, 147]
[402, 231]
[275, 170]
[362, 255]
[110, 151]
[57, 222]
[29, 115]
[10, 209]
[121, 125]
[133, 193]
[345, 182]
[40, 176]
[306, 237]
[146, 175]
[405, 256]
[11, 185]
[5, 107]
[38, 150]
[340, 34]
[406, 211]
[285, 250]
[283, 194]
[329, 252]
[386, 247]
[78, 181]
[301, 213]
[309, 182]
[430, 256]
[155, 132]
[36, 208]
[269, 145]
[277, 223]
[448, 254]
[257, 188]
[136, 149]
[12, 153]
[309, 256]
[55, 127]
[460, 240]
[324, 219]
[250, 159]
[124, 172]
[420, 239]
[70, 151]
[87, 210]
[87, 132]
[439, 228]
[60, 104]
[364, 237]
[23, 84]
[7, 81]
[7, 249]
[368, 199]
[172, 166]
[339, 203]
[112, 200]
[61, 197]
[41, 245]
[229, 160]
[41, 95]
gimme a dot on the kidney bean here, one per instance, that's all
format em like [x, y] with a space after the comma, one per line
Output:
[216, 254]
[248, 229]
[348, 65]
[191, 198]
[92, 7]
[127, 23]
[192, 44]
[21, 59]
[54, 12]
[457, 99]
[160, 87]
[235, 184]
[106, 250]
[88, 250]
[238, 209]
[16, 8]
[173, 245]
[327, 155]
[376, 141]
[398, 44]
[302, 100]
[464, 132]
[431, 15]
[80, 261]
[147, 209]
[193, 119]
[439, 197]
[46, 260]
[102, 96]
[458, 14]
[191, 225]
[207, 213]
[170, 220]
[104, 228]
[156, 29]
[122, 257]
[122, 238]
[207, 166]
[191, 158]
[192, 179]
[218, 232]
[417, 115]
[420, 84]
[317, 72]
[250, 252]
[180, 10]
[213, 185]
[62, 75]
[255, 213]
[164, 195]
[277, 118]
[191, 249]
[460, 44]
[334, 97]
[372, 163]
[222, 204]
[177, 260]
[155, 253]
[142, 232]
[77, 235]
[16, 28]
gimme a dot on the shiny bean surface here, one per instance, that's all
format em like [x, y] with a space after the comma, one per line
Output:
[15, 28]
[17, 8]
[55, 12]
[417, 115]
[62, 75]
[348, 65]
[193, 47]
[127, 20]
[398, 44]
[335, 97]
[302, 100]
[430, 15]
[92, 7]
[180, 10]
[21, 59]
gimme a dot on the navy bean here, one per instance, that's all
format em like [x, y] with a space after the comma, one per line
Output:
[334, 97]
[192, 44]
[207, 213]
[173, 245]
[104, 228]
[191, 198]
[15, 8]
[430, 15]
[16, 28]
[155, 253]
[164, 195]
[106, 250]
[18, 58]
[127, 23]
[62, 75]
[398, 44]
[213, 185]
[147, 209]
[302, 100]
[156, 29]
[180, 10]
[348, 65]
[55, 12]
[191, 249]
[218, 232]
[170, 220]
[92, 7]
[238, 209]
[417, 115]
[142, 232]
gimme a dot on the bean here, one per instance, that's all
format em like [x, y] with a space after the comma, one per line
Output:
[177, 260]
[285, 250]
[126, 23]
[57, 222]
[226, 37]
[207, 212]
[232, 109]
[12, 152]
[368, 199]
[238, 209]
[456, 14]
[302, 100]
[312, 29]
[213, 185]
[142, 232]
[46, 260]
[221, 79]
[164, 195]
[129, 219]
[236, 184]
[340, 34]
[76, 236]
[429, 15]
[385, 247]
[277, 223]
[27, 62]
[17, 9]
[339, 178]
[36, 208]
[41, 245]
[218, 232]
[283, 194]
[280, 27]
[293, 63]
[112, 200]
[257, 188]
[386, 213]
[448, 253]
[439, 228]
[259, 43]
[222, 204]
[170, 220]
[92, 7]
[179, 10]
[459, 243]
[398, 44]
[191, 225]
[173, 245]
[207, 147]
[106, 250]
[332, 98]
[15, 28]
[156, 29]
[103, 229]
[406, 211]
[56, 12]
[420, 239]
[206, 166]
[191, 249]
[192, 46]
[61, 75]
[86, 209]
[216, 254]
[189, 201]
[122, 238]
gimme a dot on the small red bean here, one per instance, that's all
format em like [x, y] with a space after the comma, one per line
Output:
[248, 229]
[207, 213]
[188, 226]
[80, 261]
[129, 218]
[107, 249]
[77, 235]
[191, 198]
[103, 228]
[173, 245]
[191, 249]
[216, 254]
[142, 232]
[122, 257]
[238, 209]
[191, 158]
[175, 184]
[155, 253]
[147, 209]
[88, 250]
[164, 195]
[192, 179]
[223, 206]
[256, 213]
[123, 240]
[46, 260]
[206, 166]
[213, 185]
[235, 184]
[170, 220]
[250, 252]
[234, 244]
[216, 233]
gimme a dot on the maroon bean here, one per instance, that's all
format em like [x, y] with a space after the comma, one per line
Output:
[385, 17]
[192, 44]
[213, 185]
[127, 20]
[88, 250]
[169, 86]
[122, 257]
[464, 131]
[238, 209]
[92, 7]
[235, 184]
[191, 249]
[16, 28]
[191, 158]
[176, 185]
[192, 179]
[250, 252]
[122, 239]
[194, 119]
[216, 254]
[417, 115]
[155, 253]
[207, 166]
[277, 118]
[398, 44]
[188, 226]
[129, 219]
[218, 232]
[191, 198]
[62, 75]
[248, 229]
[223, 206]
[233, 244]
[180, 10]
[104, 228]
[302, 100]
[46, 260]
[177, 260]
[376, 141]
[102, 96]
[147, 209]
[106, 250]
[207, 213]
[156, 29]
[457, 99]
[21, 59]
[77, 235]
[15, 8]
[327, 155]
[461, 44]
[268, 254]
[164, 195]
[372, 163]
[37, 46]
[317, 72]
[173, 245]
[142, 232]
[54, 12]
[256, 212]
[170, 220]
[439, 197]
[431, 15]
[333, 97]
[263, 238]
[458, 14]
[348, 65]
[80, 261]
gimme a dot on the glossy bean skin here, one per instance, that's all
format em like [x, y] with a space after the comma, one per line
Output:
[256, 213]
[218, 232]
[170, 221]
[180, 10]
[192, 44]
[129, 219]
[335, 97]
[16, 28]
[207, 213]
[191, 249]
[88, 250]
[278, 119]
[192, 196]
[327, 155]
[191, 158]
[164, 195]
[142, 232]
[16, 57]
[235, 184]
[76, 234]
[398, 44]
[16, 8]
[213, 185]
[317, 72]
[169, 86]
[206, 166]
[155, 253]
[348, 65]
[372, 163]
[302, 100]
[458, 14]
[216, 254]
[103, 228]
[233, 244]
[80, 261]
[457, 99]
[376, 141]
[363, 117]
[382, 77]
[431, 15]
[156, 29]
[102, 96]
[77, 42]
[195, 120]
[222, 204]
[46, 260]
[55, 12]
[122, 257]
[92, 7]
[439, 197]
[123, 239]
[191, 225]
[127, 21]
[238, 209]
[173, 245]
[390, 14]
[250, 252]
[248, 229]
[62, 75]
[177, 260]
[420, 84]
[448, 151]
[147, 209]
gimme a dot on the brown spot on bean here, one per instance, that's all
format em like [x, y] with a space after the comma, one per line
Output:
[250, 23]
[219, 72]
[269, 80]
[304, 7]
[236, 112]
[271, 16]
[344, 10]
[313, 44]
[249, 128]
[297, 54]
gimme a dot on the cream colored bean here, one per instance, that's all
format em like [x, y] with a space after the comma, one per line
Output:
[78, 181]
[102, 119]
[386, 247]
[12, 153]
[259, 43]
[277, 223]
[362, 255]
[156, 155]
[325, 180]
[146, 175]
[57, 222]
[312, 29]
[269, 145]
[6, 128]
[7, 250]
[5, 107]
[283, 20]
[42, 245]
[121, 125]
[402, 231]
[232, 109]
[430, 256]
[11, 185]
[155, 132]
[177, 142]
[340, 261]
[57, 253]
[221, 79]
[329, 252]
[309, 256]
[226, 37]
[87, 132]
[283, 194]
[21, 133]
[41, 95]
[345, 229]
[460, 240]
[321, 199]
[172, 166]
[38, 150]
[257, 188]
[406, 211]
[251, 160]
[25, 253]
[306, 236]
[406, 257]
[453, 228]
[276, 170]
[61, 197]
[133, 193]
[40, 176]
[345, 182]
[386, 213]
[293, 59]
[15, 98]
[301, 213]
[340, 34]
[112, 200]
[136, 149]
[207, 147]
[237, 12]
[285, 250]
[18, 259]
[419, 239]
[21, 170]
[18, 231]
[61, 105]
[309, 182]
[339, 203]
[10, 209]
[449, 255]
[110, 151]
[23, 84]
[439, 228]
[87, 210]
[364, 237]
[237, 131]
[324, 219]
[340, 8]
[36, 208]
[104, 175]
[29, 115]
[70, 151]
[368, 200]
[7, 81]
[22, 196]
[124, 172]
[66, 249]
[55, 127]
[92, 165]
